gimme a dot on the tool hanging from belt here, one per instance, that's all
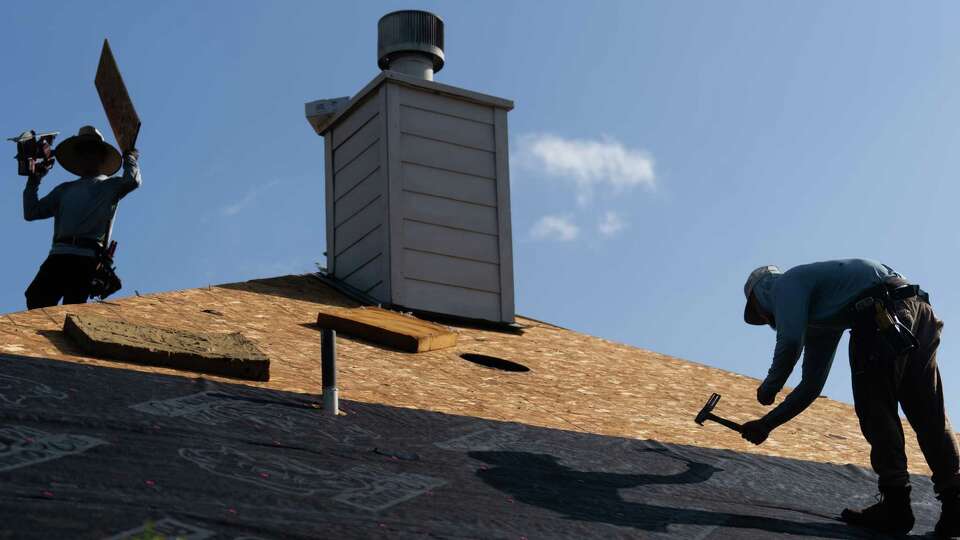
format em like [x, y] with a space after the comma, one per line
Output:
[877, 306]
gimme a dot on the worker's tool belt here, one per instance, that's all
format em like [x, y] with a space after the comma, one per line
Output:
[105, 280]
[875, 309]
[78, 241]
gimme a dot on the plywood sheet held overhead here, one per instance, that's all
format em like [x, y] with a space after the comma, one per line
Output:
[229, 355]
[404, 332]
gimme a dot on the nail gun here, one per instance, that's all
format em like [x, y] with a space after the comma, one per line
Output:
[34, 152]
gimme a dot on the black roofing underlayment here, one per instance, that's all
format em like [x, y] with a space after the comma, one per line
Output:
[93, 452]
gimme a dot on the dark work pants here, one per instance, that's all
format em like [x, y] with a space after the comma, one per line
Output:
[882, 381]
[61, 276]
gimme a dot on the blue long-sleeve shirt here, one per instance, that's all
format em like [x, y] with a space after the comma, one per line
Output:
[82, 208]
[807, 303]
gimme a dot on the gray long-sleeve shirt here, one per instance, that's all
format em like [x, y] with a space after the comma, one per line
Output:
[82, 208]
[807, 303]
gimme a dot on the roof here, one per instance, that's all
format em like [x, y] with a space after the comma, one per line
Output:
[597, 439]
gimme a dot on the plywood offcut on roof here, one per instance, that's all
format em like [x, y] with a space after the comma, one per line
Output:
[390, 328]
[229, 355]
[116, 101]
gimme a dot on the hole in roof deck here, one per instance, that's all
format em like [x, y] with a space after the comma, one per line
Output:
[493, 362]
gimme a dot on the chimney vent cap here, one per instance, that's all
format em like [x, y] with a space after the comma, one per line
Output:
[410, 31]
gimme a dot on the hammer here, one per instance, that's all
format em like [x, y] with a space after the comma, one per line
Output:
[705, 414]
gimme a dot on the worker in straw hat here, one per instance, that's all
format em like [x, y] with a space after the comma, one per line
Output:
[82, 212]
[893, 358]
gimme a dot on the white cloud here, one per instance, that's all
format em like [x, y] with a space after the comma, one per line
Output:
[249, 198]
[555, 228]
[611, 224]
[588, 163]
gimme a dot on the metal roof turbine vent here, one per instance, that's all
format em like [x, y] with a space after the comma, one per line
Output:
[410, 42]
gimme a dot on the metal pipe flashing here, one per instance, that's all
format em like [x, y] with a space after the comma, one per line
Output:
[414, 64]
[328, 371]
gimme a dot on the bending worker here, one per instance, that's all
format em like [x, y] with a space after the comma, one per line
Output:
[893, 359]
[82, 212]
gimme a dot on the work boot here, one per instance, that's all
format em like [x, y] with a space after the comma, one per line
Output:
[949, 524]
[891, 515]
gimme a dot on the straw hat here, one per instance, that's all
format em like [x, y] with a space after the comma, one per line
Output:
[88, 147]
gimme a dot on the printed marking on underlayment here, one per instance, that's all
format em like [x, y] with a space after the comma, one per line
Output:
[486, 439]
[381, 490]
[165, 528]
[362, 487]
[16, 391]
[21, 446]
[277, 473]
[216, 408]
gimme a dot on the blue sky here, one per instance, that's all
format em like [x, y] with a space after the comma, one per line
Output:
[660, 150]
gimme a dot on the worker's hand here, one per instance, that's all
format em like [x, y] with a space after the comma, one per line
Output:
[755, 431]
[40, 169]
[765, 397]
[133, 152]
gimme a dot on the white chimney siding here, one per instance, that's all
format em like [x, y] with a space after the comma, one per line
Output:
[418, 198]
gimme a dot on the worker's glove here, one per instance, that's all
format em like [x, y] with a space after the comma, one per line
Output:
[40, 169]
[765, 397]
[755, 431]
[133, 152]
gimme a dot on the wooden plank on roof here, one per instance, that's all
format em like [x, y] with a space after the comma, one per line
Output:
[389, 328]
[229, 355]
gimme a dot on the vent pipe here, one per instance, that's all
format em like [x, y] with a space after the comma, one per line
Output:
[410, 42]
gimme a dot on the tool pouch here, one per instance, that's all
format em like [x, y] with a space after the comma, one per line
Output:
[879, 312]
[895, 336]
[105, 280]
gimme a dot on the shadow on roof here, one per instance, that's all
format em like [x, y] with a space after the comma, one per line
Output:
[63, 343]
[93, 452]
[304, 287]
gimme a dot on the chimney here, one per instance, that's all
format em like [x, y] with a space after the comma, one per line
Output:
[418, 184]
